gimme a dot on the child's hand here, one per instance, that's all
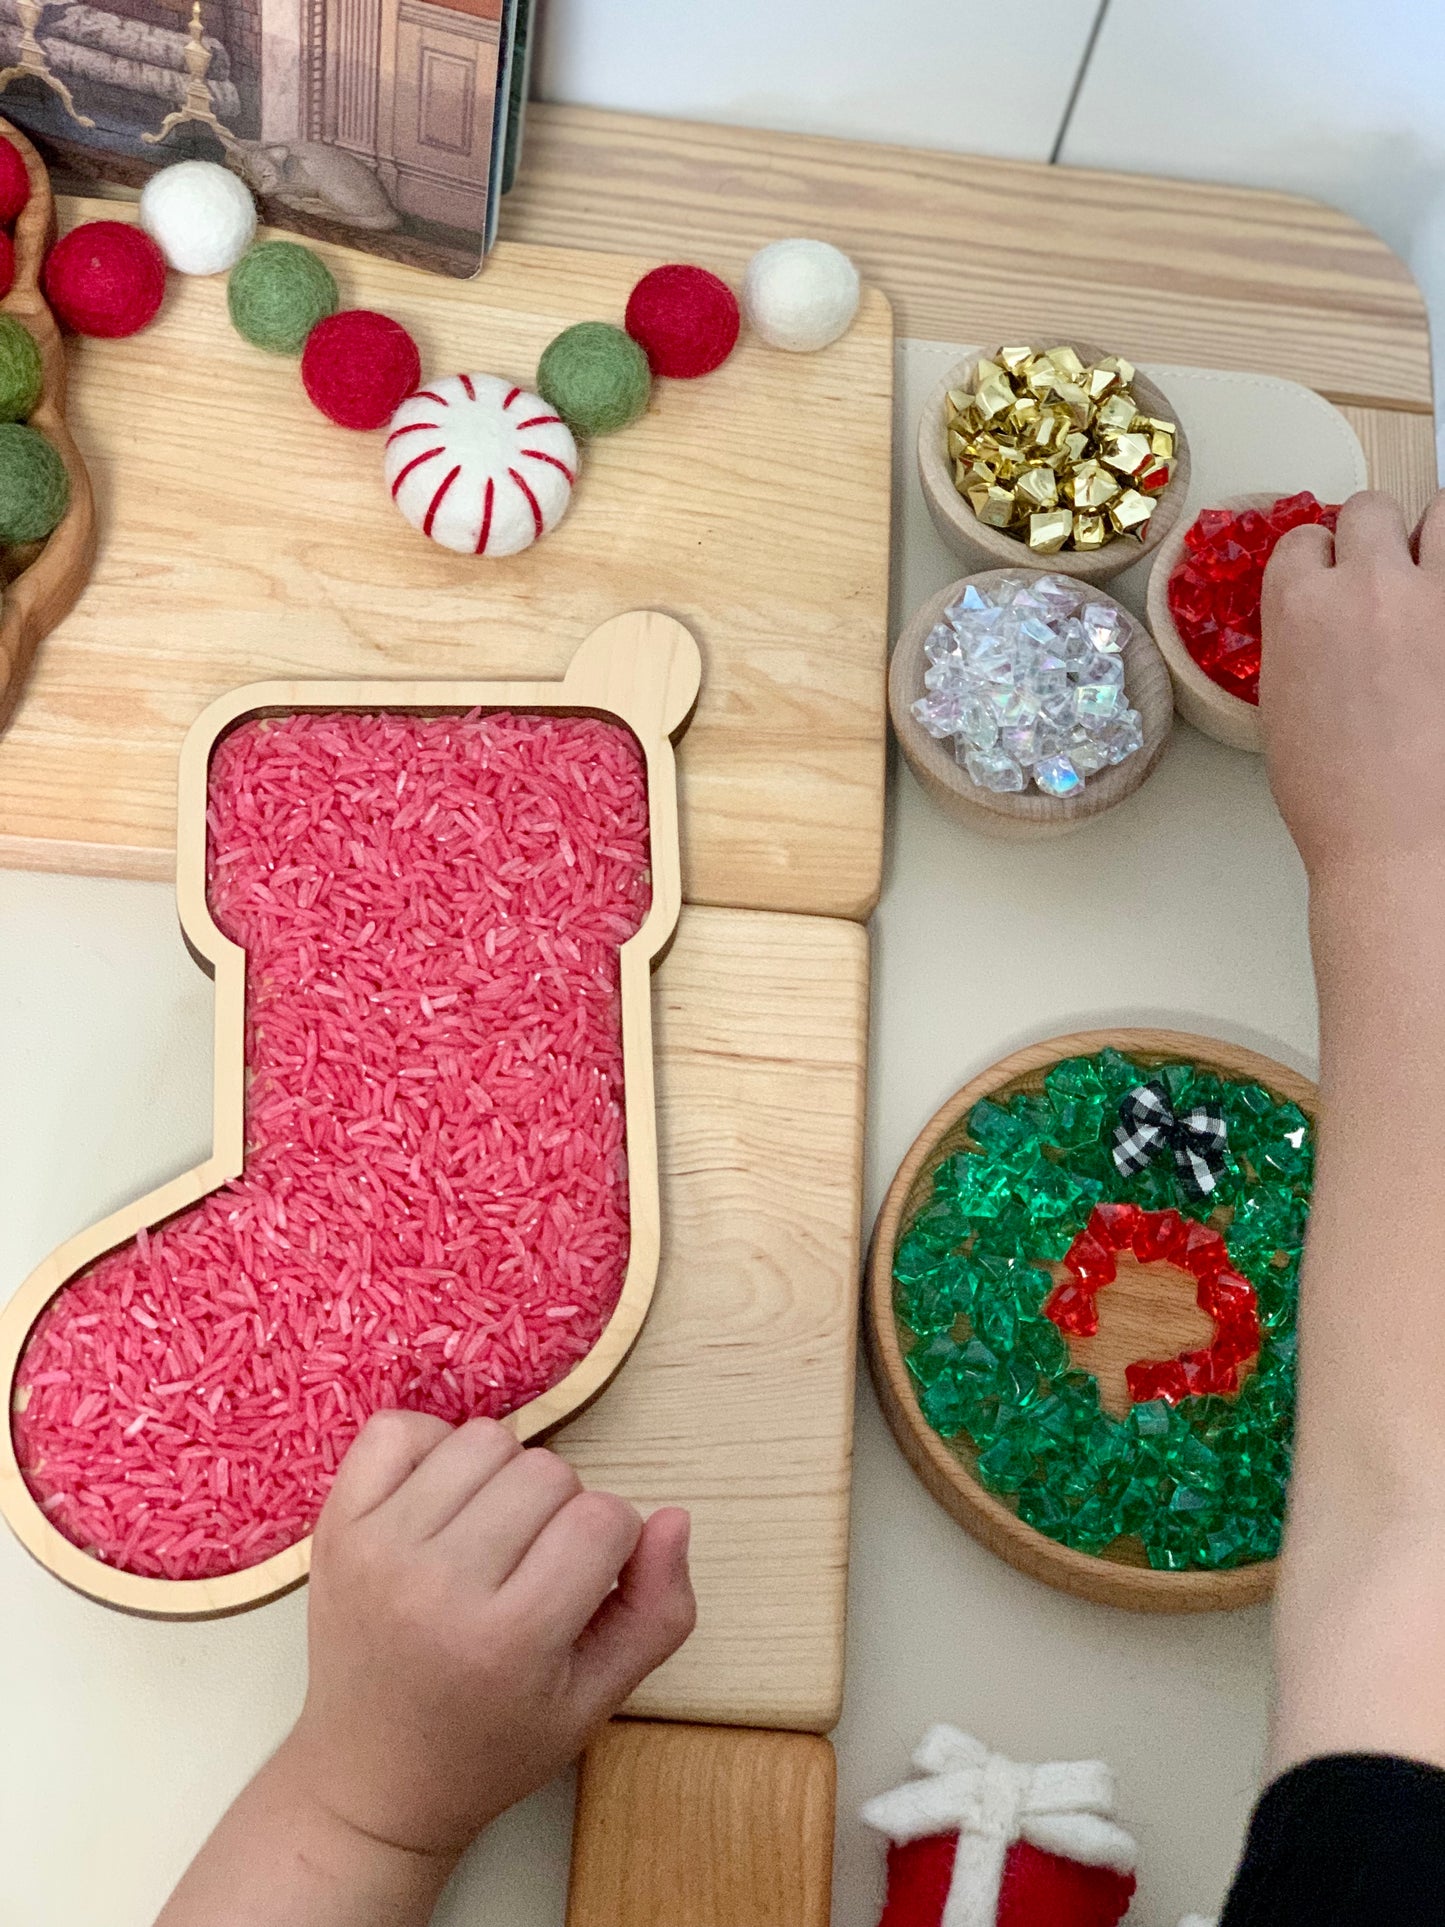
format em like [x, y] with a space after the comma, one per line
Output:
[1352, 688]
[474, 1616]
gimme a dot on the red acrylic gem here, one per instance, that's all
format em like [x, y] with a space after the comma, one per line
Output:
[1163, 1378]
[1158, 1234]
[1090, 1260]
[1073, 1309]
[1214, 590]
[1114, 1224]
[1223, 1294]
[1203, 1251]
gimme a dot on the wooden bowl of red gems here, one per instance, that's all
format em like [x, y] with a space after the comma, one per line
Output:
[1081, 1312]
[1204, 607]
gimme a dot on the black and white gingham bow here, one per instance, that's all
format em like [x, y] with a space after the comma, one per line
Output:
[1148, 1125]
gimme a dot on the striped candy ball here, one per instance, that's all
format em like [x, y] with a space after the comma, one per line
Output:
[479, 464]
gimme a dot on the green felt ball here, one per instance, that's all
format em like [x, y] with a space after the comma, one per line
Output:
[34, 487]
[277, 293]
[595, 376]
[20, 371]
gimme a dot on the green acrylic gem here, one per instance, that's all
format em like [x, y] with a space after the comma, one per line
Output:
[1005, 1465]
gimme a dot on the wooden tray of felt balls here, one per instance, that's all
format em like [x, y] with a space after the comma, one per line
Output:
[46, 505]
[982, 1336]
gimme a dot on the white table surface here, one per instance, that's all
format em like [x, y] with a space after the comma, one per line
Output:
[121, 1739]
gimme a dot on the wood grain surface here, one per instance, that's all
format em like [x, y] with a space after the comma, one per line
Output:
[42, 579]
[1146, 1321]
[641, 668]
[245, 537]
[969, 248]
[693, 1826]
[1027, 813]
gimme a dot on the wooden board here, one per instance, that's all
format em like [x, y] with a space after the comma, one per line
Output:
[643, 669]
[245, 537]
[971, 248]
[690, 1826]
[738, 1398]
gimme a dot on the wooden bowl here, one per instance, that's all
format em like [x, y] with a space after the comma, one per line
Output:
[1137, 1327]
[1198, 698]
[641, 668]
[1024, 813]
[962, 530]
[42, 580]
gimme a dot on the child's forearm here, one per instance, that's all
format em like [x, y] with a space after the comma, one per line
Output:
[280, 1858]
[1361, 1617]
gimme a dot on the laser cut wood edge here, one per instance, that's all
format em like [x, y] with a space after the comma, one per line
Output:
[45, 591]
[1105, 1579]
[961, 529]
[642, 668]
[702, 1826]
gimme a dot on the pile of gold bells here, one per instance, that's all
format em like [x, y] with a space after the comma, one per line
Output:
[1057, 449]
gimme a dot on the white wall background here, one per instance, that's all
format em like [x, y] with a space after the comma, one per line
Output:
[1340, 99]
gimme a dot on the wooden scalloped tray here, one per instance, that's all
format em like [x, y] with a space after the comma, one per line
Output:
[1118, 1576]
[641, 668]
[42, 580]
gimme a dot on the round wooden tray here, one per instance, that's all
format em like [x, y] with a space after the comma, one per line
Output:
[42, 580]
[962, 530]
[1120, 1576]
[1198, 698]
[1025, 813]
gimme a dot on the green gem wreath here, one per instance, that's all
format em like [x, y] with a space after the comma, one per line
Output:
[1202, 1483]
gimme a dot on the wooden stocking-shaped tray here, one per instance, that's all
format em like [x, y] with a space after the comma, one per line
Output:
[640, 669]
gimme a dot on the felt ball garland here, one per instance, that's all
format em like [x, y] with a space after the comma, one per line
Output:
[595, 376]
[200, 214]
[684, 318]
[359, 366]
[277, 293]
[800, 294]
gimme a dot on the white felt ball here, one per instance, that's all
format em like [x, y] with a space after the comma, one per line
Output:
[479, 464]
[200, 215]
[800, 294]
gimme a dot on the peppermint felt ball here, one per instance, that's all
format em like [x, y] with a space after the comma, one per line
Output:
[479, 464]
[357, 366]
[200, 214]
[14, 181]
[105, 278]
[34, 487]
[277, 293]
[595, 376]
[800, 294]
[21, 373]
[684, 319]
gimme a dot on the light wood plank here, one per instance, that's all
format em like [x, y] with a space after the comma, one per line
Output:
[969, 248]
[689, 1826]
[244, 537]
[1401, 452]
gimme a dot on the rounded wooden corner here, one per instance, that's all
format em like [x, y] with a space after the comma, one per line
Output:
[643, 666]
[1107, 1579]
[646, 693]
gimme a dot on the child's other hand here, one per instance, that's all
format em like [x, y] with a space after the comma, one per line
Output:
[1352, 689]
[474, 1615]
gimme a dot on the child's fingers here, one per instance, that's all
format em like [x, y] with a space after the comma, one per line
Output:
[575, 1562]
[1430, 535]
[643, 1621]
[1298, 552]
[385, 1453]
[495, 1531]
[450, 1476]
[1371, 530]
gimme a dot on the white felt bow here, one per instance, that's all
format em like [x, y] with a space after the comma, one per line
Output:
[1064, 1808]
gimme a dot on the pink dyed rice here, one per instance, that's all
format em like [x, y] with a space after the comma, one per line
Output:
[433, 1212]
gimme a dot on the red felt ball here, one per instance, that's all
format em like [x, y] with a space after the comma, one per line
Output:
[105, 278]
[14, 181]
[7, 264]
[359, 367]
[684, 319]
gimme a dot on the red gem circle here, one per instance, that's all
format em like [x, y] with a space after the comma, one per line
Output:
[1214, 589]
[1152, 1237]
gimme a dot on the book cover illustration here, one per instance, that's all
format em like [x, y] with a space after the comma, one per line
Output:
[375, 123]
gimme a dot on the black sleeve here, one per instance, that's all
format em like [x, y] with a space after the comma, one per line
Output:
[1354, 1840]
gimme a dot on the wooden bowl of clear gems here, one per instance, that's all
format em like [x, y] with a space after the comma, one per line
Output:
[1149, 1314]
[1110, 772]
[1198, 697]
[953, 484]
